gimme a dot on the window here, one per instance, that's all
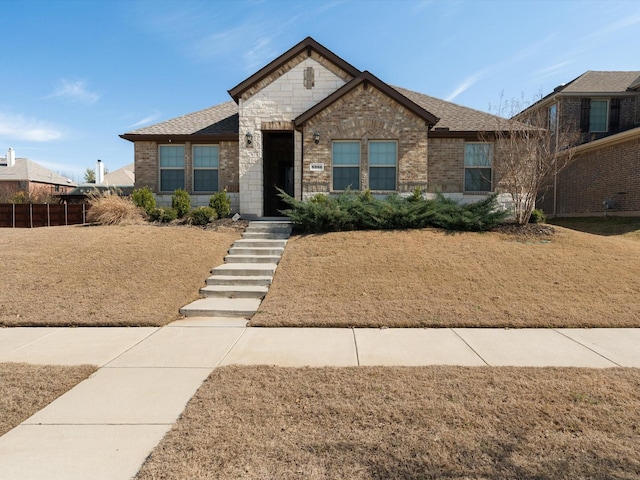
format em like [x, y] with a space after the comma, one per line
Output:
[205, 168]
[477, 167]
[598, 116]
[382, 165]
[171, 167]
[346, 165]
[553, 118]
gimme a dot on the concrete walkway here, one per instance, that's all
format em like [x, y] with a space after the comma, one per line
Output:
[106, 426]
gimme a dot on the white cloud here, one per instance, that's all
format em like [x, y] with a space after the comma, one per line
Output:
[17, 127]
[75, 92]
[467, 83]
[148, 119]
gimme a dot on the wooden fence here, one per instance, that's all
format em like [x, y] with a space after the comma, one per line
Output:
[30, 215]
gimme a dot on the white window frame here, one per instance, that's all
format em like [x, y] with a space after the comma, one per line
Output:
[394, 165]
[478, 167]
[161, 168]
[606, 115]
[194, 168]
[334, 166]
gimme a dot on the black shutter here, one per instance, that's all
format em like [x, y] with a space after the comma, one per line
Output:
[614, 115]
[585, 112]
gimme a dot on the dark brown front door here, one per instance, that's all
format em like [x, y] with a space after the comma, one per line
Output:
[278, 170]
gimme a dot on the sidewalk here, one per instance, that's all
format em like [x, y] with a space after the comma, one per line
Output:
[106, 426]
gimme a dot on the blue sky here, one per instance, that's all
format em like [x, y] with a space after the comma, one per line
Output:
[77, 73]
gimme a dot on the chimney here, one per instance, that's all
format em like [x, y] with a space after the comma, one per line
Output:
[99, 172]
[11, 157]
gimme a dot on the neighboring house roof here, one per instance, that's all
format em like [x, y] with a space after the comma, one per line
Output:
[220, 121]
[28, 170]
[121, 177]
[602, 82]
[593, 83]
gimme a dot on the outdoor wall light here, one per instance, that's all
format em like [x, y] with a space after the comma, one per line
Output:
[249, 137]
[316, 137]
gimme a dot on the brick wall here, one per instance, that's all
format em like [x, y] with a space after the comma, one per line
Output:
[610, 172]
[446, 165]
[365, 114]
[146, 165]
[147, 169]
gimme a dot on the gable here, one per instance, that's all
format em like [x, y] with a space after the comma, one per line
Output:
[364, 80]
[307, 49]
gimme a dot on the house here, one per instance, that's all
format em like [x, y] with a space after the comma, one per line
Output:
[604, 175]
[120, 182]
[24, 175]
[309, 122]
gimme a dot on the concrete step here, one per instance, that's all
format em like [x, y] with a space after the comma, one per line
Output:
[252, 259]
[256, 280]
[234, 291]
[265, 243]
[255, 235]
[234, 250]
[245, 269]
[221, 307]
[286, 229]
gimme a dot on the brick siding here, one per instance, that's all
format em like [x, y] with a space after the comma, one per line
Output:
[365, 114]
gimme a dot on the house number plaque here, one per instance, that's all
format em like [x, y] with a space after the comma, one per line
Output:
[316, 167]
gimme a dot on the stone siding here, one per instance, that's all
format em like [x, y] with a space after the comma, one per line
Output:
[365, 114]
[275, 101]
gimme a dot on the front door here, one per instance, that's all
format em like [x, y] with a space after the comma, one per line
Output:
[277, 157]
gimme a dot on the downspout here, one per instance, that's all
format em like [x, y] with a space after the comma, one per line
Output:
[555, 163]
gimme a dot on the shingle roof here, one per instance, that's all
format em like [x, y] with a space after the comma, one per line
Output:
[221, 119]
[122, 176]
[458, 118]
[603, 82]
[28, 170]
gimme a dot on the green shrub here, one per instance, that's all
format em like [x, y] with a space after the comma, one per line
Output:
[164, 215]
[537, 216]
[144, 198]
[181, 201]
[202, 215]
[352, 211]
[221, 203]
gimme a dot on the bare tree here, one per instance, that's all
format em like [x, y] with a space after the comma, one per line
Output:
[529, 151]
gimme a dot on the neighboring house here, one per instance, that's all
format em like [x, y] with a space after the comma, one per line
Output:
[122, 177]
[605, 172]
[308, 123]
[119, 182]
[24, 175]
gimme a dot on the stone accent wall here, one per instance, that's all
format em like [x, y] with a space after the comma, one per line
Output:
[146, 165]
[274, 102]
[611, 172]
[365, 114]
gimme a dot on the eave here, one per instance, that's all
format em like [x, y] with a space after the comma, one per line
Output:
[193, 138]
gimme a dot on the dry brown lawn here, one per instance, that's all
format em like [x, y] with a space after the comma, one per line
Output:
[134, 275]
[410, 423]
[433, 278]
[28, 388]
